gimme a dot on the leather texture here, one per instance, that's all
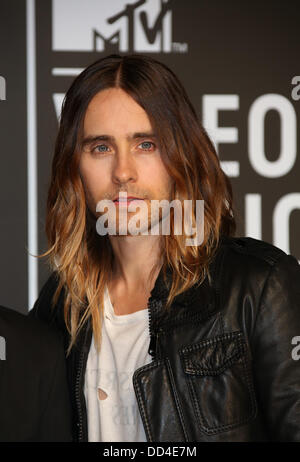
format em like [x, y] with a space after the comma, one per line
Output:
[34, 399]
[222, 366]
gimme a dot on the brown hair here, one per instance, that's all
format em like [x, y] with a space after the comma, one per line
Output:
[82, 258]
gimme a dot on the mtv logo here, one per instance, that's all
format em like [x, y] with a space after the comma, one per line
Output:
[128, 25]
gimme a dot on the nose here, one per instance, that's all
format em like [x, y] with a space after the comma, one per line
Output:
[124, 169]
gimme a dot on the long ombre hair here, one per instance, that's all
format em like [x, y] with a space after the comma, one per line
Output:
[82, 258]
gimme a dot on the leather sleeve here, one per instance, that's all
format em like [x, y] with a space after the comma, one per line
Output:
[43, 308]
[276, 373]
[55, 421]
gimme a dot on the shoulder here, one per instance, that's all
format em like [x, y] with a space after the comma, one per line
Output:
[253, 248]
[29, 339]
[44, 309]
[255, 271]
[249, 254]
[246, 265]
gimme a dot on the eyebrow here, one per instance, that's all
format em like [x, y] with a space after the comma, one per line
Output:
[131, 136]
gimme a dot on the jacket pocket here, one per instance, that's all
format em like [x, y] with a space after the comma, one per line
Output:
[218, 374]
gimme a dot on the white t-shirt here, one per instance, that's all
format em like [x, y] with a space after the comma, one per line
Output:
[112, 412]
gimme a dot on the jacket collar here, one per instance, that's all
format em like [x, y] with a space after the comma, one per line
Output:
[198, 301]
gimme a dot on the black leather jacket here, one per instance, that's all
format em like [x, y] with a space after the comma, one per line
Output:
[222, 367]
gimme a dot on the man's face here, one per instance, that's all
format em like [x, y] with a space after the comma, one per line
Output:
[119, 155]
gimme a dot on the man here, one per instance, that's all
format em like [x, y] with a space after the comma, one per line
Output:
[34, 400]
[168, 341]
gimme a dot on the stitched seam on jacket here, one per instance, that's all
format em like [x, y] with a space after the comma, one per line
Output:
[221, 323]
[220, 338]
[248, 375]
[195, 405]
[176, 398]
[136, 377]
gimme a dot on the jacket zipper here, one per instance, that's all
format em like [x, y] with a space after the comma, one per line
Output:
[152, 350]
[83, 357]
[77, 396]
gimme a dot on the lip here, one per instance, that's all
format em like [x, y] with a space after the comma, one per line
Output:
[124, 202]
[127, 199]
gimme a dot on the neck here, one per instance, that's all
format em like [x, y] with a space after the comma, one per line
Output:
[135, 256]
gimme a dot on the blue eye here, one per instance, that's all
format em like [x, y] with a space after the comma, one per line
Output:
[148, 145]
[101, 146]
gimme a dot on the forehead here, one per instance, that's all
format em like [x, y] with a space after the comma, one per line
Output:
[113, 111]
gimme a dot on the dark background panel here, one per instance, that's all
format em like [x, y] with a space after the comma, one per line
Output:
[13, 171]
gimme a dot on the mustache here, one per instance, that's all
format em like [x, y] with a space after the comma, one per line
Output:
[112, 196]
